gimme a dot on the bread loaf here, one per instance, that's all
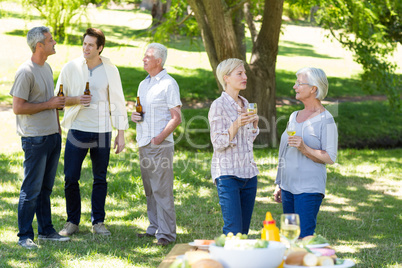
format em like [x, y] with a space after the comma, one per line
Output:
[207, 263]
[325, 261]
[295, 257]
[310, 260]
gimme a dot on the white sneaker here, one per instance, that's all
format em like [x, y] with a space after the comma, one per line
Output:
[69, 229]
[100, 228]
[28, 244]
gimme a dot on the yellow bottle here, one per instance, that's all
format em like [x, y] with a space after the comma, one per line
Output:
[270, 232]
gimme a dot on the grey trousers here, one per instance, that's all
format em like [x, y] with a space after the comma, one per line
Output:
[156, 162]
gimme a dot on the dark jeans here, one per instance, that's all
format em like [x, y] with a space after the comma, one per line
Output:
[236, 198]
[77, 146]
[306, 205]
[40, 165]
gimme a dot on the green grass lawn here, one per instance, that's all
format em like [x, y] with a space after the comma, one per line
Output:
[360, 216]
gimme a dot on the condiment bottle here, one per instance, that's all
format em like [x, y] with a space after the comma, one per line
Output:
[60, 94]
[138, 109]
[270, 232]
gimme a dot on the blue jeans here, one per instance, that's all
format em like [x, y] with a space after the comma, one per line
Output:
[40, 166]
[306, 205]
[77, 146]
[236, 198]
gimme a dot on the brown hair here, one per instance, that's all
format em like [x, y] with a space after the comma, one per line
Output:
[100, 37]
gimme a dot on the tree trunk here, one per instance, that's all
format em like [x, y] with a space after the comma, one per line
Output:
[222, 32]
[158, 11]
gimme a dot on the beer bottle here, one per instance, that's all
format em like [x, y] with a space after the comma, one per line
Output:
[60, 94]
[138, 109]
[87, 91]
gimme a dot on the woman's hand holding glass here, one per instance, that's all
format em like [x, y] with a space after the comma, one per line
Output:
[252, 110]
[246, 117]
[290, 130]
[290, 227]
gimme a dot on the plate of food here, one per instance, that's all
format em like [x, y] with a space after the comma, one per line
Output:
[323, 245]
[303, 258]
[201, 243]
[315, 241]
[345, 264]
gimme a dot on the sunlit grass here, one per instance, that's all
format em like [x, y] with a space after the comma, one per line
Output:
[361, 214]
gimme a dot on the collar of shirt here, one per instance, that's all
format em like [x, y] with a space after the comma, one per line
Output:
[103, 59]
[159, 76]
[233, 103]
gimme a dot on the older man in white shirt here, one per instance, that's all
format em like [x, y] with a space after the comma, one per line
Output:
[160, 97]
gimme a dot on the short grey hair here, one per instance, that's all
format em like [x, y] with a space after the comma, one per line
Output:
[160, 51]
[36, 35]
[226, 67]
[316, 77]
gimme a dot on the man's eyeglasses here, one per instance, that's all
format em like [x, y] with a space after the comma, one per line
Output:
[297, 84]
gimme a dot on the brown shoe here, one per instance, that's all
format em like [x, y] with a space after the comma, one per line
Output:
[144, 235]
[162, 242]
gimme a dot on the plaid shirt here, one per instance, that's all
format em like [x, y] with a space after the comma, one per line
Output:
[233, 157]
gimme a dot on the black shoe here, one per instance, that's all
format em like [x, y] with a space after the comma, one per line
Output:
[162, 242]
[54, 237]
[144, 235]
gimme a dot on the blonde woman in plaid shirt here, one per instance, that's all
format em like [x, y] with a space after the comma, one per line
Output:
[233, 131]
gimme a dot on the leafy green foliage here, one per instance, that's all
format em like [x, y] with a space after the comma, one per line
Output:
[59, 14]
[178, 21]
[370, 29]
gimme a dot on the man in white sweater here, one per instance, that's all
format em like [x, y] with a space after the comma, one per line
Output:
[89, 119]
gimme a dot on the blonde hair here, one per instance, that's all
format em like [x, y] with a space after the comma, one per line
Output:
[316, 77]
[226, 67]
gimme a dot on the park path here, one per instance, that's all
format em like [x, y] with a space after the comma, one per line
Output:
[10, 141]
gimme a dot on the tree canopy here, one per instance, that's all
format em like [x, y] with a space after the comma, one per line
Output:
[370, 29]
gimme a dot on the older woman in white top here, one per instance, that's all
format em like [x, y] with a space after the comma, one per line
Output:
[233, 131]
[302, 175]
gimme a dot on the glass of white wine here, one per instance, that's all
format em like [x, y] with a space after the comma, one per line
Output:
[252, 107]
[291, 129]
[290, 227]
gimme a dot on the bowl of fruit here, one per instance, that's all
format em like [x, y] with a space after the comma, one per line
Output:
[239, 251]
